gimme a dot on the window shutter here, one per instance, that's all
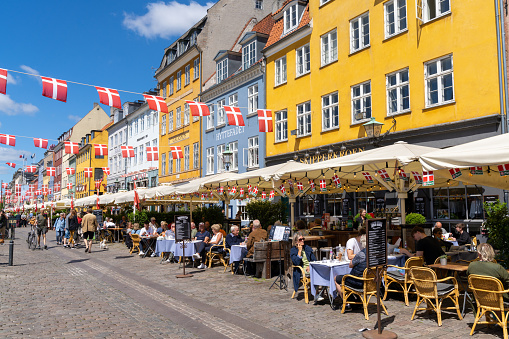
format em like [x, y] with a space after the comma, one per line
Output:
[419, 10]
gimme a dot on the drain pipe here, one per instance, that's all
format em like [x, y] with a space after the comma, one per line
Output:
[501, 71]
[504, 65]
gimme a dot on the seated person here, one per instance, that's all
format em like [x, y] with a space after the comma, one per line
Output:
[153, 223]
[426, 247]
[161, 231]
[194, 230]
[136, 229]
[216, 239]
[146, 232]
[204, 236]
[438, 225]
[316, 225]
[437, 234]
[170, 234]
[464, 237]
[301, 255]
[358, 265]
[361, 219]
[128, 228]
[301, 227]
[258, 234]
[486, 266]
[353, 245]
[109, 223]
[234, 239]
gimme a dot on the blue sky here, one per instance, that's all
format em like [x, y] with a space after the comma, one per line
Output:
[115, 43]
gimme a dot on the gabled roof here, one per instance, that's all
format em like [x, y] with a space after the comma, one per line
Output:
[277, 31]
[265, 25]
[106, 126]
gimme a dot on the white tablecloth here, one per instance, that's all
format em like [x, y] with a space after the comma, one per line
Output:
[237, 253]
[191, 248]
[165, 246]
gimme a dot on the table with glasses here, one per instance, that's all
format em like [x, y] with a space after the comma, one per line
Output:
[149, 243]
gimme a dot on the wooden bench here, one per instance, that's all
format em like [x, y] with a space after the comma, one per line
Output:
[267, 252]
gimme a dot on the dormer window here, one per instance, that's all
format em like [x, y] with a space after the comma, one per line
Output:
[222, 70]
[291, 18]
[248, 55]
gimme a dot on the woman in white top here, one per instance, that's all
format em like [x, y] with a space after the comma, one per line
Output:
[217, 239]
[354, 246]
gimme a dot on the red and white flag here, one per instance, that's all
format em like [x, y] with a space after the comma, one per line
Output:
[13, 165]
[156, 103]
[323, 185]
[71, 147]
[98, 184]
[312, 185]
[300, 187]
[136, 198]
[70, 170]
[241, 192]
[271, 195]
[56, 187]
[100, 150]
[402, 175]
[31, 188]
[4, 185]
[220, 190]
[106, 170]
[152, 154]
[282, 189]
[428, 178]
[503, 170]
[264, 195]
[203, 197]
[336, 180]
[384, 175]
[198, 109]
[54, 89]
[31, 169]
[455, 172]
[176, 152]
[417, 177]
[69, 186]
[477, 170]
[249, 189]
[234, 116]
[265, 120]
[41, 143]
[233, 190]
[51, 171]
[38, 192]
[368, 177]
[3, 81]
[88, 172]
[108, 96]
[254, 191]
[127, 151]
[9, 140]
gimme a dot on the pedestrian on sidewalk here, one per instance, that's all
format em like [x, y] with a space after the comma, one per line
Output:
[60, 228]
[88, 227]
[73, 225]
[3, 225]
[42, 229]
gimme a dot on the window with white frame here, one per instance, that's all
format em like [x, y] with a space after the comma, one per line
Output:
[196, 155]
[170, 89]
[140, 160]
[252, 99]
[329, 44]
[135, 158]
[186, 158]
[439, 81]
[131, 129]
[163, 125]
[113, 163]
[252, 152]
[330, 111]
[359, 32]
[135, 126]
[186, 114]
[187, 74]
[196, 68]
[304, 119]
[164, 89]
[154, 142]
[170, 121]
[220, 163]
[210, 160]
[248, 55]
[163, 164]
[281, 119]
[220, 112]
[280, 67]
[155, 117]
[395, 17]
[179, 80]
[178, 164]
[116, 139]
[170, 163]
[431, 9]
[142, 123]
[222, 70]
[258, 4]
[233, 100]
[302, 63]
[178, 122]
[361, 102]
[290, 18]
[234, 147]
[398, 92]
[210, 118]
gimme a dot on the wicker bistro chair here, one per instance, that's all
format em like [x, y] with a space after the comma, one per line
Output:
[217, 252]
[304, 281]
[488, 293]
[365, 293]
[136, 243]
[433, 291]
[402, 279]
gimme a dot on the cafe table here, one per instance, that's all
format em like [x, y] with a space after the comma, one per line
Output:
[458, 269]
[116, 230]
[237, 253]
[149, 243]
[190, 248]
[165, 246]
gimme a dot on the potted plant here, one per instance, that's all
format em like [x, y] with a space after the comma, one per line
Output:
[443, 259]
[415, 219]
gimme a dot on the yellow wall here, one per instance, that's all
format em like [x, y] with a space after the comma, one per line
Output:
[86, 158]
[468, 33]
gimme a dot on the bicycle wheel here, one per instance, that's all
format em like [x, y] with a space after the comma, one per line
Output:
[33, 242]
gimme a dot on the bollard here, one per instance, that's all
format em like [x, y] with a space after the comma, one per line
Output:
[11, 252]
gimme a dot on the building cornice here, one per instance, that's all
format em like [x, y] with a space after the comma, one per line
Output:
[233, 82]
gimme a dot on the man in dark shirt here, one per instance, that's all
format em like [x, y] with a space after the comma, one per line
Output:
[464, 237]
[233, 238]
[426, 247]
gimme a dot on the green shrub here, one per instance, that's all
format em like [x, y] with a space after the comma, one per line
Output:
[415, 219]
[267, 212]
[497, 224]
[213, 214]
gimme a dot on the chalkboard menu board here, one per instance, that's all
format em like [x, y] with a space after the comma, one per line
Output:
[420, 205]
[346, 206]
[99, 215]
[376, 242]
[182, 227]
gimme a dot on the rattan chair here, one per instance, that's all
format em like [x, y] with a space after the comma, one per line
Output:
[365, 293]
[216, 252]
[402, 279]
[442, 274]
[304, 281]
[488, 292]
[433, 291]
[136, 243]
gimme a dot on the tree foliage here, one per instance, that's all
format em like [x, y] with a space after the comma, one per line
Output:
[267, 212]
[497, 224]
[213, 214]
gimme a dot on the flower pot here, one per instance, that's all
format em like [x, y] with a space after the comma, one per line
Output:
[443, 261]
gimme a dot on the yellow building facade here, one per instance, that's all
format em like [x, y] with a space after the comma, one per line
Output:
[86, 158]
[345, 62]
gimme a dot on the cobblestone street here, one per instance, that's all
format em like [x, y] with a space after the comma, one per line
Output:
[64, 293]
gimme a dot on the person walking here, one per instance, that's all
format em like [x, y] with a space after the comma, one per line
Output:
[73, 225]
[88, 227]
[42, 229]
[60, 228]
[3, 225]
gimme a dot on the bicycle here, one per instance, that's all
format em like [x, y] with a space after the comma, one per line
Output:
[32, 239]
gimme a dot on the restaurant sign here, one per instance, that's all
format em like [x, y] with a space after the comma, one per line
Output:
[179, 137]
[322, 157]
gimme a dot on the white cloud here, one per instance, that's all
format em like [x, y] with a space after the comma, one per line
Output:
[166, 19]
[30, 70]
[11, 154]
[74, 118]
[11, 107]
[11, 79]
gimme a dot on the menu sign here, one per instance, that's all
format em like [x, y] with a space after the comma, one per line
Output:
[182, 227]
[376, 242]
[99, 215]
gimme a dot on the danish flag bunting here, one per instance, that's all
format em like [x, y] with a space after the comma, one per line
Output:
[9, 140]
[127, 151]
[402, 175]
[336, 180]
[312, 185]
[264, 196]
[30, 169]
[220, 190]
[71, 147]
[428, 178]
[51, 171]
[476, 170]
[3, 81]
[108, 96]
[455, 172]
[384, 175]
[13, 165]
[152, 154]
[249, 189]
[265, 120]
[56, 187]
[38, 192]
[88, 172]
[203, 196]
[283, 190]
[254, 192]
[4, 185]
[100, 149]
[241, 192]
[271, 195]
[156, 103]
[233, 190]
[176, 152]
[31, 188]
[69, 186]
[234, 116]
[417, 177]
[503, 170]
[198, 109]
[70, 170]
[323, 185]
[98, 184]
[54, 89]
[41, 143]
[300, 187]
[106, 170]
[368, 177]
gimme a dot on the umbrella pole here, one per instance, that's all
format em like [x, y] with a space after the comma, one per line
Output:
[292, 211]
[191, 207]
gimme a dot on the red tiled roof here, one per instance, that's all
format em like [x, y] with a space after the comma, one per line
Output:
[282, 6]
[265, 25]
[276, 33]
[107, 125]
